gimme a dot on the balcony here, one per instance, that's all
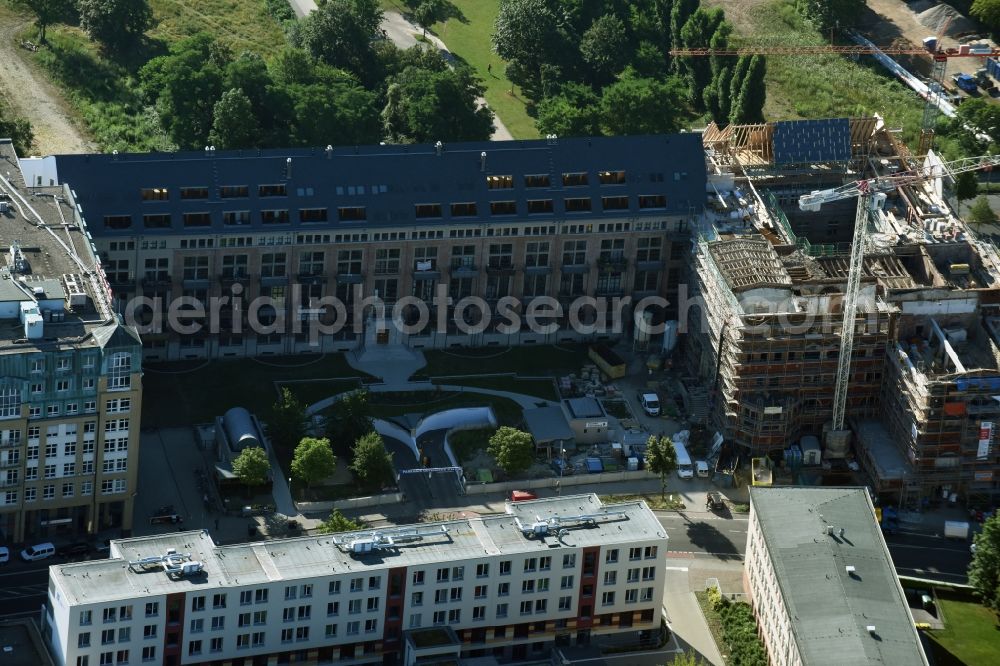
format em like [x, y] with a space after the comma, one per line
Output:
[576, 268]
[157, 280]
[236, 277]
[350, 278]
[495, 267]
[612, 264]
[464, 269]
[310, 277]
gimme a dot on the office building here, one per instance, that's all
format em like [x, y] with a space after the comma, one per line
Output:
[822, 583]
[70, 388]
[561, 571]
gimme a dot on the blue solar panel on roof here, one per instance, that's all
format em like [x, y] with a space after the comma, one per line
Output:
[801, 141]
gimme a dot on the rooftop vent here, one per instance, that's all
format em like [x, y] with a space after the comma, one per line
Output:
[482, 161]
[288, 168]
[829, 529]
[329, 152]
[850, 570]
[871, 629]
[439, 148]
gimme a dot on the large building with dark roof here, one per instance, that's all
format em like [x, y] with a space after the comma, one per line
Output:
[603, 217]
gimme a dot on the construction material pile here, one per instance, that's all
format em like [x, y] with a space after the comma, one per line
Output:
[947, 21]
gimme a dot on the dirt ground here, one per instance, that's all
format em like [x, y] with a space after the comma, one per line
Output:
[33, 97]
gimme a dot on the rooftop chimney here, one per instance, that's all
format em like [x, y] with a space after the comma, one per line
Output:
[439, 148]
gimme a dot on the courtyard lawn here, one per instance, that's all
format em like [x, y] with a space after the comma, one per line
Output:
[528, 361]
[971, 635]
[468, 37]
[187, 392]
[539, 388]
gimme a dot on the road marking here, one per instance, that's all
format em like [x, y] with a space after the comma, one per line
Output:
[676, 568]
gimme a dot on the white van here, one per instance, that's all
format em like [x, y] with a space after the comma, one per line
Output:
[701, 468]
[684, 468]
[40, 551]
[650, 403]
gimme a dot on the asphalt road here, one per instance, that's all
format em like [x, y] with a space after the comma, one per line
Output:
[23, 589]
[926, 556]
[693, 534]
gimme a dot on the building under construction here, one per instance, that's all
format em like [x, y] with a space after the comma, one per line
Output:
[769, 282]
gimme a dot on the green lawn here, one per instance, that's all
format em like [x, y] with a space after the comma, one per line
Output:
[177, 394]
[313, 390]
[539, 388]
[971, 635]
[655, 501]
[465, 444]
[547, 360]
[243, 24]
[469, 39]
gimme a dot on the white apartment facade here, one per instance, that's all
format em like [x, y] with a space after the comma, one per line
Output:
[477, 587]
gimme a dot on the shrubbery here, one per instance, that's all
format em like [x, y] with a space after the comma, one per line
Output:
[739, 630]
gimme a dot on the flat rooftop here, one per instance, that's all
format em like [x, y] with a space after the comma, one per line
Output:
[830, 607]
[47, 258]
[314, 556]
[25, 642]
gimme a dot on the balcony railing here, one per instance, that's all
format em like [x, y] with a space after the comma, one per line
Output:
[613, 263]
[500, 268]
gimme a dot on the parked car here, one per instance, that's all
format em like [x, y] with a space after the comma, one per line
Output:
[40, 551]
[4, 554]
[714, 501]
[650, 403]
[73, 549]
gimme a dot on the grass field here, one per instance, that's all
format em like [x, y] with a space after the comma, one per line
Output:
[196, 392]
[469, 40]
[971, 636]
[528, 361]
[103, 92]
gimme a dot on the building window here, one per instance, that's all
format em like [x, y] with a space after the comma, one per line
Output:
[427, 210]
[199, 219]
[577, 205]
[157, 221]
[235, 218]
[234, 192]
[614, 203]
[154, 194]
[463, 209]
[537, 180]
[611, 177]
[352, 214]
[194, 193]
[117, 222]
[500, 182]
[274, 216]
[312, 215]
[272, 190]
[539, 206]
[647, 201]
[120, 371]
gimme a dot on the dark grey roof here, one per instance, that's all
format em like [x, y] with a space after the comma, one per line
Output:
[547, 424]
[388, 181]
[584, 408]
[830, 609]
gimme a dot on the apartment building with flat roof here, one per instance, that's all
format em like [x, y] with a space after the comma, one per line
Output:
[566, 218]
[821, 581]
[70, 388]
[559, 571]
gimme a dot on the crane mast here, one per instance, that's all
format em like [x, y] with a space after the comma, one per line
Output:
[870, 194]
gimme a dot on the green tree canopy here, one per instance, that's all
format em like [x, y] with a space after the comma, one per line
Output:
[313, 460]
[513, 449]
[748, 106]
[117, 24]
[425, 106]
[704, 27]
[575, 111]
[524, 35]
[352, 416]
[372, 463]
[17, 129]
[984, 571]
[338, 113]
[233, 122]
[987, 11]
[966, 185]
[252, 466]
[184, 85]
[340, 34]
[428, 12]
[338, 522]
[637, 105]
[826, 14]
[47, 12]
[605, 46]
[661, 459]
[981, 213]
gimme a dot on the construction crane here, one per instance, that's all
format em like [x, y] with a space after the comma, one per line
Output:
[871, 193]
[932, 47]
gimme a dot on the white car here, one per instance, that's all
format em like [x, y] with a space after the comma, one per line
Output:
[4, 554]
[650, 403]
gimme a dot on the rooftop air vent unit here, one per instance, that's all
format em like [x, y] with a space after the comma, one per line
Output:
[850, 570]
[871, 629]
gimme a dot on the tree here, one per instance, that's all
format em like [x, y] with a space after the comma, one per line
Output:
[340, 33]
[705, 26]
[981, 213]
[46, 13]
[679, 15]
[661, 459]
[826, 14]
[286, 424]
[353, 419]
[637, 105]
[427, 106]
[513, 449]
[748, 106]
[966, 185]
[252, 466]
[117, 24]
[984, 571]
[338, 522]
[575, 111]
[234, 124]
[337, 113]
[988, 12]
[524, 34]
[372, 463]
[983, 117]
[428, 12]
[687, 659]
[604, 46]
[17, 129]
[184, 86]
[313, 460]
